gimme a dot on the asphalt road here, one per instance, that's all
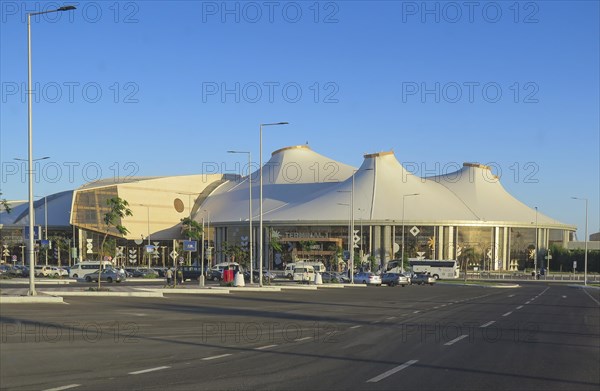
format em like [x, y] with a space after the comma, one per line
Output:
[539, 336]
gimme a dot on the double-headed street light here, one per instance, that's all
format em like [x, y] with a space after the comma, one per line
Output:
[260, 205]
[403, 202]
[585, 257]
[30, 250]
[249, 208]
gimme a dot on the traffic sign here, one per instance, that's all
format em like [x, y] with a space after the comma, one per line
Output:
[149, 248]
[173, 254]
[190, 245]
[346, 255]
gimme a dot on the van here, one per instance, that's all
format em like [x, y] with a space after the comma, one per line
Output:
[289, 270]
[80, 269]
[318, 266]
[304, 273]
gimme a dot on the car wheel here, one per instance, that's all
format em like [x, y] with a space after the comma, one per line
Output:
[215, 278]
[56, 275]
[436, 276]
[109, 280]
[364, 282]
[75, 276]
[88, 279]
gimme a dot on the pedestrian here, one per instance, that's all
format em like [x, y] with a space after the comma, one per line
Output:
[180, 276]
[169, 276]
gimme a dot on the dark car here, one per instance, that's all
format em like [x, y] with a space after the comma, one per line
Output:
[267, 276]
[191, 272]
[393, 279]
[214, 275]
[145, 273]
[422, 278]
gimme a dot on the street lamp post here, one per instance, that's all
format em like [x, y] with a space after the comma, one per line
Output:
[209, 248]
[30, 249]
[349, 239]
[249, 209]
[260, 205]
[403, 202]
[585, 257]
[535, 250]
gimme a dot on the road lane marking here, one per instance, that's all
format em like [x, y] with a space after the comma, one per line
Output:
[435, 308]
[215, 357]
[390, 318]
[519, 307]
[511, 295]
[455, 340]
[302, 339]
[63, 387]
[487, 324]
[392, 371]
[527, 302]
[591, 297]
[508, 313]
[147, 370]
[266, 347]
[416, 312]
[564, 297]
[355, 327]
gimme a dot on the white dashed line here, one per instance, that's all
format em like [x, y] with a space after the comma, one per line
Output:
[266, 347]
[392, 371]
[487, 324]
[564, 297]
[508, 313]
[302, 339]
[455, 340]
[416, 312]
[527, 302]
[355, 327]
[63, 387]
[215, 357]
[519, 307]
[390, 318]
[147, 370]
[511, 295]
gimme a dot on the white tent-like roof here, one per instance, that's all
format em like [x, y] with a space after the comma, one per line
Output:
[293, 193]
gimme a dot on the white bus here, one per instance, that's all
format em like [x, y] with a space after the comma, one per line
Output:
[447, 269]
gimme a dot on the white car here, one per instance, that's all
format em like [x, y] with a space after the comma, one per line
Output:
[58, 272]
[367, 278]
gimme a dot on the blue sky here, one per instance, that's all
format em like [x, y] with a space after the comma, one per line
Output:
[162, 88]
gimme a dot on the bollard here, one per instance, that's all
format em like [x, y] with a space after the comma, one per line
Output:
[239, 280]
[318, 279]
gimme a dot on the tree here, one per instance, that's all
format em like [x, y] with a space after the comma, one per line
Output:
[4, 204]
[118, 208]
[236, 253]
[192, 230]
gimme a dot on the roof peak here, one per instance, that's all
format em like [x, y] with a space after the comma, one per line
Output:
[305, 146]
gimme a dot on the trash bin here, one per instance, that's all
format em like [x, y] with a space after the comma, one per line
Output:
[228, 275]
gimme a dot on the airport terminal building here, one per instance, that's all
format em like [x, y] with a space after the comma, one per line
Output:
[310, 202]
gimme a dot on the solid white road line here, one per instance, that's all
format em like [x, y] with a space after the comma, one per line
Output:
[508, 313]
[63, 387]
[147, 370]
[392, 371]
[215, 357]
[487, 324]
[455, 340]
[302, 339]
[591, 297]
[266, 347]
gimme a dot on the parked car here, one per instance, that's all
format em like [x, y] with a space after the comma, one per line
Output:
[58, 272]
[267, 275]
[145, 273]
[367, 278]
[108, 275]
[422, 278]
[191, 272]
[214, 275]
[393, 279]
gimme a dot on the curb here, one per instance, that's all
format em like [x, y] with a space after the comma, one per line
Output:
[300, 287]
[37, 282]
[105, 294]
[191, 291]
[31, 300]
[248, 289]
[328, 286]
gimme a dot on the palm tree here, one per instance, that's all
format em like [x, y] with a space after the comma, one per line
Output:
[118, 208]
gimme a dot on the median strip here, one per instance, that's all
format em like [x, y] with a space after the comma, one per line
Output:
[392, 371]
